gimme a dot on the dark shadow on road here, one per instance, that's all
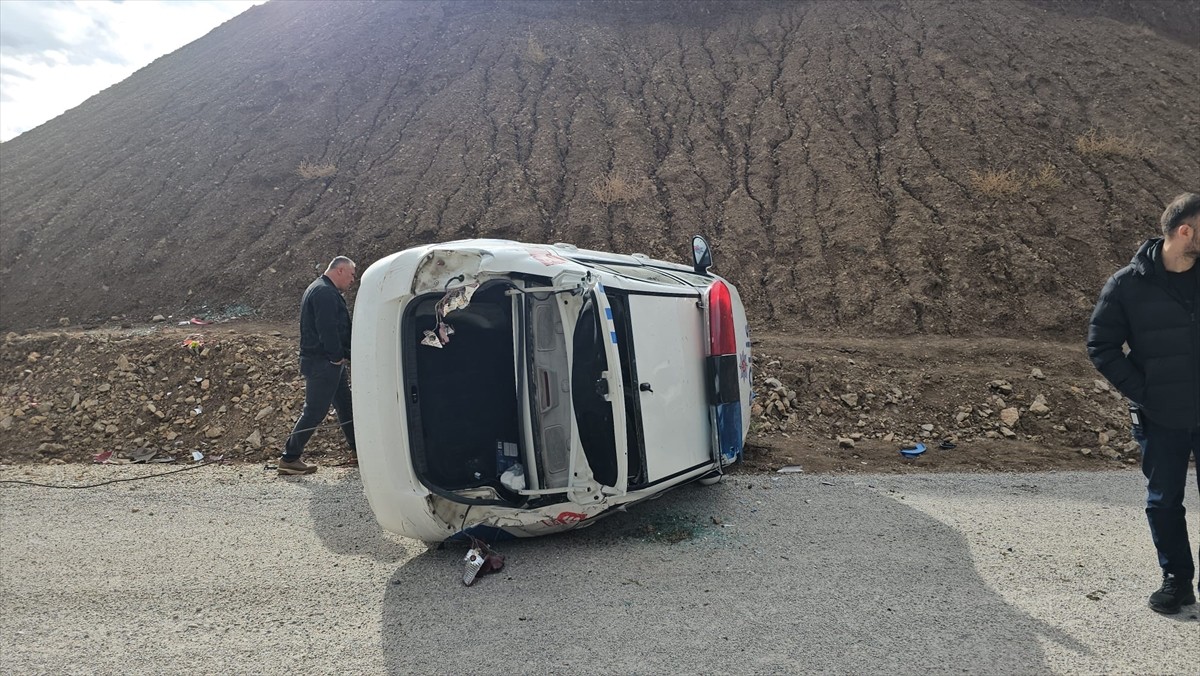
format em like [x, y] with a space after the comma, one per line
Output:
[343, 520]
[800, 578]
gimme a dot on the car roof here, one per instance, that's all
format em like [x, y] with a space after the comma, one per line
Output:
[501, 247]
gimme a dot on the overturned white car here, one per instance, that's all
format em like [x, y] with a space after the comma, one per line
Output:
[505, 389]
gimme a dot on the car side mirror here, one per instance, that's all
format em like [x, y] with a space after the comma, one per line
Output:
[701, 255]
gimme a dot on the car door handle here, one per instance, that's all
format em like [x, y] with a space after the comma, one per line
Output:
[645, 387]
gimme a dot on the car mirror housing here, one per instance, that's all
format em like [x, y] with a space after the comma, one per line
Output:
[701, 255]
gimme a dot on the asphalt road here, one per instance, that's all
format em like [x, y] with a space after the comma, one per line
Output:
[234, 570]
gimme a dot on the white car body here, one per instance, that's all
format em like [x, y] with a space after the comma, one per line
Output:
[590, 371]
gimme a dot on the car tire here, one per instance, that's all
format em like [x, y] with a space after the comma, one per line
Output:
[711, 479]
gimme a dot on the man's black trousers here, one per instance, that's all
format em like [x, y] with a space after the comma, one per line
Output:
[1165, 455]
[325, 384]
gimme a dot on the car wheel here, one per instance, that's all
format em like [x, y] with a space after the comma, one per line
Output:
[711, 478]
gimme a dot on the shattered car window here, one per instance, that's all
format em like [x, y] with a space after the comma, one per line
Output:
[593, 412]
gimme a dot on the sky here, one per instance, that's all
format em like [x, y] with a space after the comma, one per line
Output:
[54, 54]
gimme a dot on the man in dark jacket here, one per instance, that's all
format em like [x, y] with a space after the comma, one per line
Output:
[324, 361]
[1153, 306]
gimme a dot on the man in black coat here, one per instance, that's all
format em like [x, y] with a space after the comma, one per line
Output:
[1153, 306]
[324, 361]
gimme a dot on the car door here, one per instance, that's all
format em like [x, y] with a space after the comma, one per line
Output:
[598, 397]
[669, 342]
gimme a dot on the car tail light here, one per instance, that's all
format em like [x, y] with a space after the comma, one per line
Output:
[722, 346]
[721, 338]
[724, 377]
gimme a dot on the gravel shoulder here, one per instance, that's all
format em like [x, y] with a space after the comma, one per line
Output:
[228, 569]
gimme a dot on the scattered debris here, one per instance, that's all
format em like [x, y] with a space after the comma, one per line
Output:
[455, 299]
[791, 469]
[669, 528]
[440, 337]
[194, 343]
[513, 478]
[145, 455]
[480, 560]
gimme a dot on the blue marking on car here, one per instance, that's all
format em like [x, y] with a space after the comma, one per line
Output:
[729, 430]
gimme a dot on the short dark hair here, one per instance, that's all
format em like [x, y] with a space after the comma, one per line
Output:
[1181, 209]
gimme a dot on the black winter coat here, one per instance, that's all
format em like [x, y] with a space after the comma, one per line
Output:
[324, 322]
[1161, 372]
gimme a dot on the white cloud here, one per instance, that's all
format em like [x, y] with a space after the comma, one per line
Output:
[56, 54]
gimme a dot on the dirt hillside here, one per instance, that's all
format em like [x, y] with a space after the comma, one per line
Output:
[871, 168]
[917, 200]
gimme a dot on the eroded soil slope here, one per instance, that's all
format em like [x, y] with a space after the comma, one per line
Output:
[863, 168]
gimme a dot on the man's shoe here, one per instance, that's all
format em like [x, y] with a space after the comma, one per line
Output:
[297, 466]
[1175, 593]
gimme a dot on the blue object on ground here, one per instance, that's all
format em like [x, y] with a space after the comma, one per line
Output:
[913, 452]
